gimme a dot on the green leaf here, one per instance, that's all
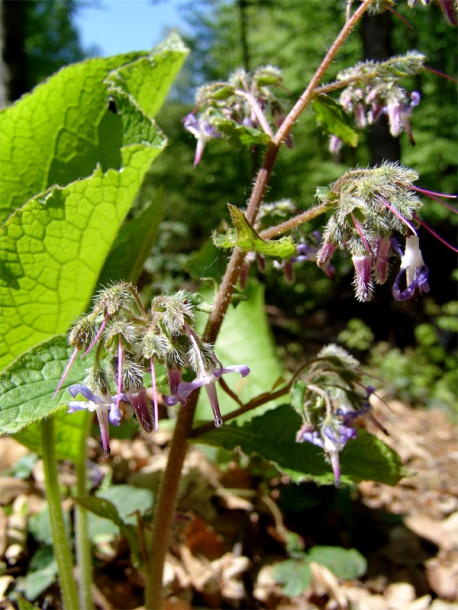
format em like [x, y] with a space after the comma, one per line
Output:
[54, 246]
[41, 574]
[294, 575]
[63, 129]
[248, 240]
[344, 563]
[118, 505]
[272, 436]
[245, 338]
[27, 387]
[135, 79]
[40, 526]
[208, 263]
[69, 429]
[331, 116]
[247, 136]
[133, 244]
[23, 604]
[107, 510]
[51, 136]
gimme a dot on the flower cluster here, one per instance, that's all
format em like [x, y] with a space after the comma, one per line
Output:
[128, 340]
[244, 107]
[329, 400]
[374, 91]
[370, 206]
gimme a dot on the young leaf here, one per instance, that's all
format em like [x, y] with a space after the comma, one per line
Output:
[332, 118]
[107, 510]
[248, 240]
[247, 136]
[273, 437]
[294, 575]
[344, 563]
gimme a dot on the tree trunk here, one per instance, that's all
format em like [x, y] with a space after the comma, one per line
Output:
[13, 69]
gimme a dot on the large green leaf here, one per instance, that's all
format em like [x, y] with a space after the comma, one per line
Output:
[54, 246]
[27, 386]
[133, 244]
[272, 436]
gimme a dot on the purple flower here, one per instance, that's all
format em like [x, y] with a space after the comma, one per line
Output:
[104, 405]
[380, 263]
[413, 267]
[325, 253]
[139, 402]
[202, 131]
[207, 378]
[363, 280]
[334, 436]
[331, 439]
[399, 115]
[335, 144]
[307, 252]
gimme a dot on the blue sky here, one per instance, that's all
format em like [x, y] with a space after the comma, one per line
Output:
[119, 26]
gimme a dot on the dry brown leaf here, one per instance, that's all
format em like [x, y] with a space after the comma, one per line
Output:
[422, 603]
[399, 595]
[10, 488]
[325, 583]
[442, 574]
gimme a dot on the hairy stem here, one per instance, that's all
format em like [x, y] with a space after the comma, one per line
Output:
[170, 482]
[165, 507]
[294, 222]
[60, 540]
[82, 542]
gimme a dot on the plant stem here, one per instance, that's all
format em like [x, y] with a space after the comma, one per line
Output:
[306, 97]
[59, 537]
[294, 222]
[171, 479]
[165, 507]
[83, 544]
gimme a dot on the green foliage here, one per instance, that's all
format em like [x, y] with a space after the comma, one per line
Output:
[333, 119]
[357, 335]
[423, 374]
[115, 511]
[55, 244]
[273, 437]
[41, 574]
[28, 384]
[295, 574]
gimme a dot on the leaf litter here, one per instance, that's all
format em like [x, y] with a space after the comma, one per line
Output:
[235, 523]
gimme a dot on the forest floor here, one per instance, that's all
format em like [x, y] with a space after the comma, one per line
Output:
[231, 527]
